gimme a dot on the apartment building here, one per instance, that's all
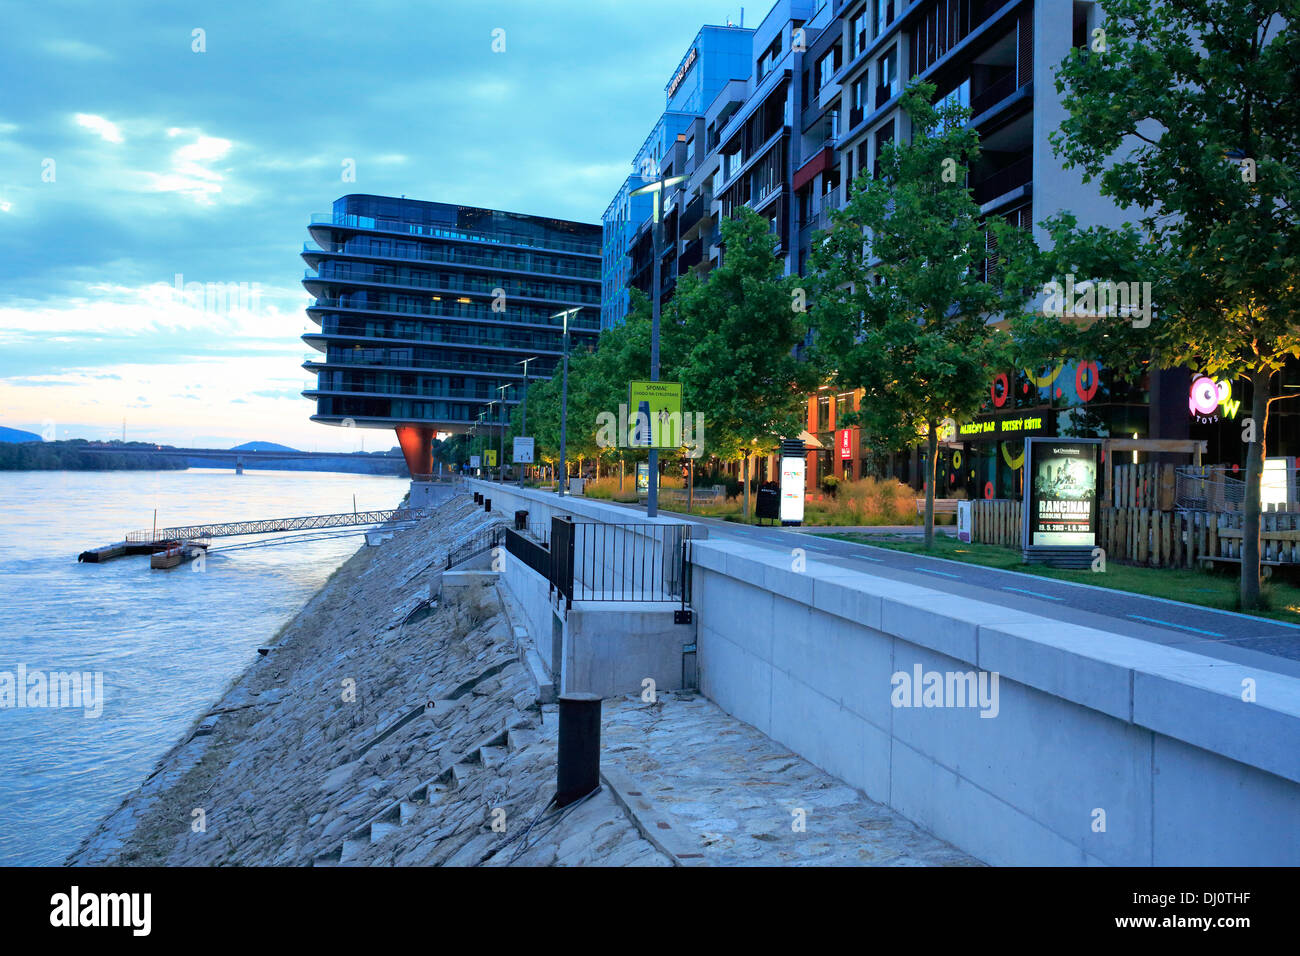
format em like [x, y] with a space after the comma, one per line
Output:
[819, 104]
[426, 308]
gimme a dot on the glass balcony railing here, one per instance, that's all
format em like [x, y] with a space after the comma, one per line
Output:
[459, 255]
[401, 358]
[591, 247]
[534, 290]
[475, 336]
[454, 309]
[379, 390]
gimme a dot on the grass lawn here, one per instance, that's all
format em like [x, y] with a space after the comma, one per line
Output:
[1209, 589]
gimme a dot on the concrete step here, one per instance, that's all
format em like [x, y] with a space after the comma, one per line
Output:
[520, 737]
[351, 847]
[491, 757]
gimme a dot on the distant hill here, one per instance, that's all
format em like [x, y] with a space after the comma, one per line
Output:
[17, 435]
[262, 446]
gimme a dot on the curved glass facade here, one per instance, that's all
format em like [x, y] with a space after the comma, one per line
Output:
[424, 309]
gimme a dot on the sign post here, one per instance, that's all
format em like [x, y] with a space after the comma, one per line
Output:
[794, 468]
[1060, 511]
[523, 451]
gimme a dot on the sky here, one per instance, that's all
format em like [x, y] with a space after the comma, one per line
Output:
[144, 145]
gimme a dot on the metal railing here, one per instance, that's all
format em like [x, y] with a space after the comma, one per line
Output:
[485, 540]
[622, 562]
[270, 525]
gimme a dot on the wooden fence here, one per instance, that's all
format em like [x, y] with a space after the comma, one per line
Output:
[1143, 486]
[996, 521]
[1161, 539]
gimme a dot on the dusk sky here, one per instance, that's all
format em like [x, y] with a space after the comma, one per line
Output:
[126, 158]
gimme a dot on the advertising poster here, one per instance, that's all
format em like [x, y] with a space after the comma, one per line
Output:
[491, 457]
[793, 472]
[642, 478]
[1061, 492]
[846, 445]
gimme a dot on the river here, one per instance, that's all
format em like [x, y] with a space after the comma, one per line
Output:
[166, 643]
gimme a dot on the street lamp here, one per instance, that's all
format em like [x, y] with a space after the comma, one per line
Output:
[657, 190]
[501, 455]
[523, 425]
[488, 422]
[564, 403]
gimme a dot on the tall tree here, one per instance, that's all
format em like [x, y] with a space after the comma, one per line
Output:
[730, 339]
[903, 305]
[1189, 111]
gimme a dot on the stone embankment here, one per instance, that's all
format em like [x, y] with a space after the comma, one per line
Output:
[396, 720]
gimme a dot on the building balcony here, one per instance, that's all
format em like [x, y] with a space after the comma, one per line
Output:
[345, 274]
[398, 227]
[460, 256]
[1005, 180]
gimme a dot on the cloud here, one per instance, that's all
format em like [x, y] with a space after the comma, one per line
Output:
[107, 131]
[74, 49]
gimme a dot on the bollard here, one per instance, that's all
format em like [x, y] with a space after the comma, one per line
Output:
[487, 504]
[478, 498]
[578, 767]
[521, 520]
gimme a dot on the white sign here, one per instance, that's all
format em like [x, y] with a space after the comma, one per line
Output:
[964, 512]
[523, 452]
[473, 461]
[793, 471]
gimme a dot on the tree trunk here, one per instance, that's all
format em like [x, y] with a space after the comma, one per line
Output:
[1250, 551]
[932, 447]
[746, 487]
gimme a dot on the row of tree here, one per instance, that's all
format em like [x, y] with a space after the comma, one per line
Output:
[1200, 138]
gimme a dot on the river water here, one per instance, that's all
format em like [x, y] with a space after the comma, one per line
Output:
[167, 643]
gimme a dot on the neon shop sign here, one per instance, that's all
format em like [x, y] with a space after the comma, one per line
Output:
[1208, 397]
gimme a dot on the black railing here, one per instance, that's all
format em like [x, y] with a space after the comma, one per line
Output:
[629, 562]
[485, 540]
[534, 554]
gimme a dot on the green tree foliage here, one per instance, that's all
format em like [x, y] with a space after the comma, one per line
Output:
[1188, 111]
[902, 307]
[730, 339]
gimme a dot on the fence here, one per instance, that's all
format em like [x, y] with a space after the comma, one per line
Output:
[595, 561]
[1155, 538]
[1143, 486]
[1181, 539]
[996, 521]
[485, 540]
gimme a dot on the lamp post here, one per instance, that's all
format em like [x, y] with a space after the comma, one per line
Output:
[563, 483]
[523, 424]
[656, 188]
[489, 424]
[501, 455]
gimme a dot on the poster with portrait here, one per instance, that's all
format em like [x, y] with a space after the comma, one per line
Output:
[1061, 492]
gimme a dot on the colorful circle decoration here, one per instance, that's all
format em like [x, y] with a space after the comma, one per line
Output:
[1042, 381]
[1089, 391]
[1204, 397]
[1017, 461]
[956, 459]
[1001, 389]
[988, 489]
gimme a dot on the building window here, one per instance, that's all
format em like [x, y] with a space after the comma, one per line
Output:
[825, 70]
[884, 15]
[858, 35]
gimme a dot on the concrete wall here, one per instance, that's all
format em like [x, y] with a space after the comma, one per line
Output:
[1088, 723]
[606, 648]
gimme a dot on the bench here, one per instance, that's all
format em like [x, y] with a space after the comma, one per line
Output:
[942, 506]
[1267, 566]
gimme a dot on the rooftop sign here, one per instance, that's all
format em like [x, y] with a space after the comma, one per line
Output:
[682, 71]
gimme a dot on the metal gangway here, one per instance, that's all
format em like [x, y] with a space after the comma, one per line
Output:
[349, 519]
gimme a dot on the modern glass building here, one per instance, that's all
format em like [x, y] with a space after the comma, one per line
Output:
[426, 308]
